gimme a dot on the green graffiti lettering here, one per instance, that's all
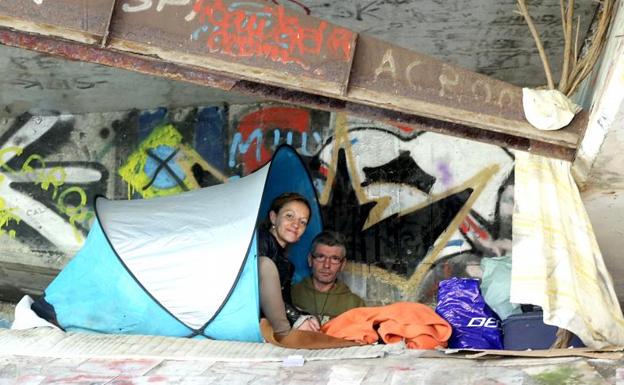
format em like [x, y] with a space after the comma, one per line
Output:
[8, 150]
[55, 176]
[26, 167]
[7, 216]
[79, 213]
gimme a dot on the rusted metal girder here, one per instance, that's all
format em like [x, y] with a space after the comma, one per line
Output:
[269, 51]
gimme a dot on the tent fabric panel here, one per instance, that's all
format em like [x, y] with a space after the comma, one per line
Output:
[288, 174]
[173, 244]
[94, 292]
[239, 318]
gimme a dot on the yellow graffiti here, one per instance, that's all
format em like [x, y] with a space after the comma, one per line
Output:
[477, 183]
[79, 213]
[16, 151]
[133, 171]
[342, 142]
[7, 216]
[55, 177]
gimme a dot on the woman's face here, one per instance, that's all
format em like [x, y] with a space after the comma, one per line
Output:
[290, 222]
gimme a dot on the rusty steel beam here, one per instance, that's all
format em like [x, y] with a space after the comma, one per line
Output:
[251, 40]
[151, 66]
[272, 52]
[398, 79]
[85, 21]
[94, 54]
[417, 122]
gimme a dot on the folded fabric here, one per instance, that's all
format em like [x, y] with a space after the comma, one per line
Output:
[419, 325]
[302, 339]
[26, 318]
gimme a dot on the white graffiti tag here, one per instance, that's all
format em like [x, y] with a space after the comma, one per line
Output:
[35, 214]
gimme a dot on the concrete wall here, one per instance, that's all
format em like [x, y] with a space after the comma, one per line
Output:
[599, 166]
[416, 207]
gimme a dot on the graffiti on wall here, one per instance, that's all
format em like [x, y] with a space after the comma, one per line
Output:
[421, 198]
[258, 30]
[50, 169]
[163, 165]
[416, 207]
[258, 133]
[26, 71]
[246, 29]
[176, 151]
[44, 199]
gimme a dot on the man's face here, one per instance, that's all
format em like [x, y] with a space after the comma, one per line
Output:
[326, 262]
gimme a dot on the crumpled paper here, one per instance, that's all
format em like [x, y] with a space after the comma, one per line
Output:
[548, 109]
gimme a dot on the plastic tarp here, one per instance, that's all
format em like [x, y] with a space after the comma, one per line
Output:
[556, 262]
[182, 265]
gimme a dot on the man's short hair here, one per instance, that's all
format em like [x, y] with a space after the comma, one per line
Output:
[329, 238]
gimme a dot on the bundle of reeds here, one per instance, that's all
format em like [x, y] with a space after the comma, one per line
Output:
[577, 64]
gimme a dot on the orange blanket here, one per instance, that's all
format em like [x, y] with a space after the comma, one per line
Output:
[419, 325]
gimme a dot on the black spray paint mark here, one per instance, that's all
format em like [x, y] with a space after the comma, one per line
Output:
[396, 243]
[402, 169]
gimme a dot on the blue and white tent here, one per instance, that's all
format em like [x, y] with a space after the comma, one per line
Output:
[183, 265]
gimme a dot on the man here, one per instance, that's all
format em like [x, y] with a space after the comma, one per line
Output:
[322, 295]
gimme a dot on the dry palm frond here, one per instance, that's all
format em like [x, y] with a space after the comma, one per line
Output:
[538, 42]
[567, 16]
[585, 64]
[574, 68]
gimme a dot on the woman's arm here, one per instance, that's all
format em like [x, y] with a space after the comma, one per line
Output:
[271, 301]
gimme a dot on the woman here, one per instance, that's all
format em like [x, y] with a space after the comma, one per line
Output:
[288, 218]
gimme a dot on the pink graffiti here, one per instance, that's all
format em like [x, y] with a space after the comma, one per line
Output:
[269, 32]
[446, 177]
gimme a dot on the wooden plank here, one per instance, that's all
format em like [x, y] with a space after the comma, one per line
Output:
[253, 40]
[84, 21]
[392, 77]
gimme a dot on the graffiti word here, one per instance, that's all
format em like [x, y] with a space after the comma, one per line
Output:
[50, 224]
[80, 83]
[37, 62]
[283, 124]
[144, 5]
[268, 32]
[47, 177]
[36, 211]
[478, 322]
[449, 82]
[242, 146]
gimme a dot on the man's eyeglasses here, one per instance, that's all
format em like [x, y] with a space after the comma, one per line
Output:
[333, 259]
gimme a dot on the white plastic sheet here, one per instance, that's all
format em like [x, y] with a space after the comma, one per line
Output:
[556, 260]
